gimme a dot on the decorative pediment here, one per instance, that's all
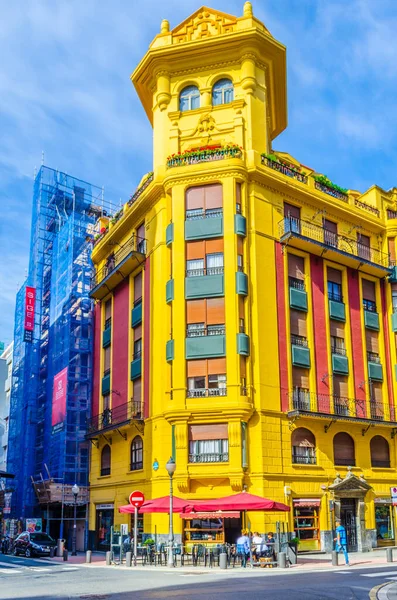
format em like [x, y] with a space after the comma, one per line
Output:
[351, 483]
[205, 22]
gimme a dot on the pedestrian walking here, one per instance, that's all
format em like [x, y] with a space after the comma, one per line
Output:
[341, 541]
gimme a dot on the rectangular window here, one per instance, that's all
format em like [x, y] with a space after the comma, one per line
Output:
[208, 443]
[335, 291]
[292, 220]
[137, 348]
[108, 314]
[298, 323]
[214, 263]
[106, 362]
[296, 271]
[140, 238]
[338, 345]
[195, 268]
[196, 386]
[238, 198]
[330, 233]
[138, 288]
[216, 383]
[240, 263]
[216, 329]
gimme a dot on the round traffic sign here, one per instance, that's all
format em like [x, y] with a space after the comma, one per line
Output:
[137, 499]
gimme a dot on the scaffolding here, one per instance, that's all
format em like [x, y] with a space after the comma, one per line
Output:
[65, 210]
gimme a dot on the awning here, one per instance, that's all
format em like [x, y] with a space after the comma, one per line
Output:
[307, 502]
[230, 514]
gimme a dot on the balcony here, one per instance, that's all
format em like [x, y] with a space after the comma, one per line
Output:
[169, 234]
[297, 294]
[169, 291]
[335, 408]
[240, 225]
[202, 224]
[342, 249]
[284, 169]
[371, 317]
[241, 283]
[169, 351]
[208, 342]
[204, 283]
[375, 371]
[300, 351]
[114, 418]
[136, 314]
[206, 392]
[340, 363]
[336, 307]
[123, 262]
[136, 366]
[216, 457]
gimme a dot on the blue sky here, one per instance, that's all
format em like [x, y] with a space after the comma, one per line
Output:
[65, 90]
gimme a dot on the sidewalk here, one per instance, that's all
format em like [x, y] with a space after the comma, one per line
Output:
[310, 562]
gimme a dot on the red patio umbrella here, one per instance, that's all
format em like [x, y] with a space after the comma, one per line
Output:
[242, 501]
[159, 505]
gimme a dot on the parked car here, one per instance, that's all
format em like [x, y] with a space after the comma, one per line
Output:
[33, 544]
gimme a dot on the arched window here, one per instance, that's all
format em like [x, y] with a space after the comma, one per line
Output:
[380, 454]
[222, 92]
[344, 450]
[105, 460]
[303, 447]
[189, 98]
[136, 453]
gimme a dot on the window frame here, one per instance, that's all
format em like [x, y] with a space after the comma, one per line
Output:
[189, 98]
[222, 88]
[136, 453]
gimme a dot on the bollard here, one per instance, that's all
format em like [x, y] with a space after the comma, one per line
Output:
[108, 558]
[128, 559]
[88, 555]
[223, 560]
[52, 552]
[334, 558]
[65, 555]
[389, 554]
[282, 560]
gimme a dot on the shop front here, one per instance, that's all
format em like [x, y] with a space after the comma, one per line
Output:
[211, 527]
[306, 517]
[104, 522]
[384, 522]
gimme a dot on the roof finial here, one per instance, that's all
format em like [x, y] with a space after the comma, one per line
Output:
[165, 26]
[248, 9]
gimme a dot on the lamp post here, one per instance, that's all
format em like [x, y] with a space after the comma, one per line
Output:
[75, 491]
[171, 466]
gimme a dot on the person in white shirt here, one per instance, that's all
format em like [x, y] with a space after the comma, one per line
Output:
[259, 545]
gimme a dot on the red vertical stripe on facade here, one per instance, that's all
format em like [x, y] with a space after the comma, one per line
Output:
[357, 340]
[96, 359]
[282, 327]
[320, 333]
[120, 354]
[146, 337]
[387, 349]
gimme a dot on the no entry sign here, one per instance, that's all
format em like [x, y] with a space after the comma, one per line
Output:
[137, 499]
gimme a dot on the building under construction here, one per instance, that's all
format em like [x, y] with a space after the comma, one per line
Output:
[50, 399]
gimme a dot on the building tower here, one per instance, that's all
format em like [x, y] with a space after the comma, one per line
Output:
[244, 308]
[52, 368]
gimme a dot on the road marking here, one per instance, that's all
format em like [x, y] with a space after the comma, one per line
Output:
[381, 574]
[70, 569]
[392, 578]
[343, 572]
[38, 569]
[10, 571]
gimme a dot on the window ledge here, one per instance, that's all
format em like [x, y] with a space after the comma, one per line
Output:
[135, 471]
[382, 469]
[314, 467]
[104, 476]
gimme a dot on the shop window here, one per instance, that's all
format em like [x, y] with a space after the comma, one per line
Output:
[105, 460]
[189, 98]
[136, 453]
[306, 523]
[222, 92]
[303, 447]
[208, 530]
[384, 524]
[344, 454]
[380, 453]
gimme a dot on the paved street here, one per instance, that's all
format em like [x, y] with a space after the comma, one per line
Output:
[21, 578]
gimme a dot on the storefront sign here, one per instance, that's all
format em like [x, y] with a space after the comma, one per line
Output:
[228, 514]
[383, 501]
[59, 391]
[105, 506]
[30, 301]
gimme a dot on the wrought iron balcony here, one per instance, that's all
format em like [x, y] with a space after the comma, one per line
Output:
[203, 272]
[318, 240]
[201, 213]
[205, 331]
[304, 403]
[119, 265]
[297, 284]
[284, 169]
[215, 457]
[309, 458]
[113, 418]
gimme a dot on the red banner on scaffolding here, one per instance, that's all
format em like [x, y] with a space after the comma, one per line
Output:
[59, 392]
[30, 301]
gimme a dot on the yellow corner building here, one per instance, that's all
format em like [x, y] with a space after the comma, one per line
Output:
[245, 311]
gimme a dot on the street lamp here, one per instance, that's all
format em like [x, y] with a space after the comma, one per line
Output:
[75, 491]
[171, 466]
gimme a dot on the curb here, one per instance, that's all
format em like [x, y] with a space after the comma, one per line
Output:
[379, 592]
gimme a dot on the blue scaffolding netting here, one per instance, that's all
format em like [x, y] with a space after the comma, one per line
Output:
[65, 210]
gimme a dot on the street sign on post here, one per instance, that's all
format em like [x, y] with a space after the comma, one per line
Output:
[393, 493]
[136, 500]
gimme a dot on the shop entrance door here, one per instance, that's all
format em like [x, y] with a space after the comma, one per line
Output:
[232, 530]
[348, 512]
